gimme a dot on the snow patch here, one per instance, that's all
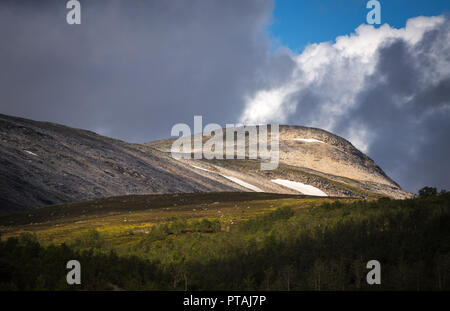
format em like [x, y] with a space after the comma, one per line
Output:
[243, 183]
[32, 153]
[300, 187]
[309, 140]
[201, 168]
[233, 179]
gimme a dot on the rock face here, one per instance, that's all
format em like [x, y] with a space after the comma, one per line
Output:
[44, 163]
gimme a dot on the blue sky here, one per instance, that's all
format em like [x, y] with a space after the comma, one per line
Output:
[299, 22]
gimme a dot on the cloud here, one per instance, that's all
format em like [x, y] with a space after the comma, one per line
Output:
[387, 90]
[133, 69]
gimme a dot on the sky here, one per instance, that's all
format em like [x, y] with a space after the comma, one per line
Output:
[298, 23]
[133, 69]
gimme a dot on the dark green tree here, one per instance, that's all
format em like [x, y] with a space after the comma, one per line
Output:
[427, 192]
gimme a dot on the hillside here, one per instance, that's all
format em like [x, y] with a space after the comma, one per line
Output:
[310, 156]
[45, 163]
[229, 241]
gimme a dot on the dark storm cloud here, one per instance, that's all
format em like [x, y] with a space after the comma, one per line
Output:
[132, 69]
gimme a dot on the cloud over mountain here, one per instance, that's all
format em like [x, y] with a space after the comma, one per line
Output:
[133, 69]
[387, 90]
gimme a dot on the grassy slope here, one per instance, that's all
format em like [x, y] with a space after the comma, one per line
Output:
[234, 241]
[121, 215]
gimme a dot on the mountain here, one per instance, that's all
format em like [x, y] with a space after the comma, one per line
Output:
[44, 163]
[309, 157]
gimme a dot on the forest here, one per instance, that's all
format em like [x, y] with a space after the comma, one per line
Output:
[324, 247]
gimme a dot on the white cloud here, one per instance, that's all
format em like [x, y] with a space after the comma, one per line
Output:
[328, 76]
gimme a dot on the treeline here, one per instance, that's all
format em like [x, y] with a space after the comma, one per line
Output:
[321, 248]
[25, 265]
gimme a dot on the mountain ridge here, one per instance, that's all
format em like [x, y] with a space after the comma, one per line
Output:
[44, 163]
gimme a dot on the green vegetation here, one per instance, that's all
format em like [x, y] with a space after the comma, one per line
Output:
[273, 244]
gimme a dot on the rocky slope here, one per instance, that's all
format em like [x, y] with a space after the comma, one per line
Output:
[310, 156]
[44, 163]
